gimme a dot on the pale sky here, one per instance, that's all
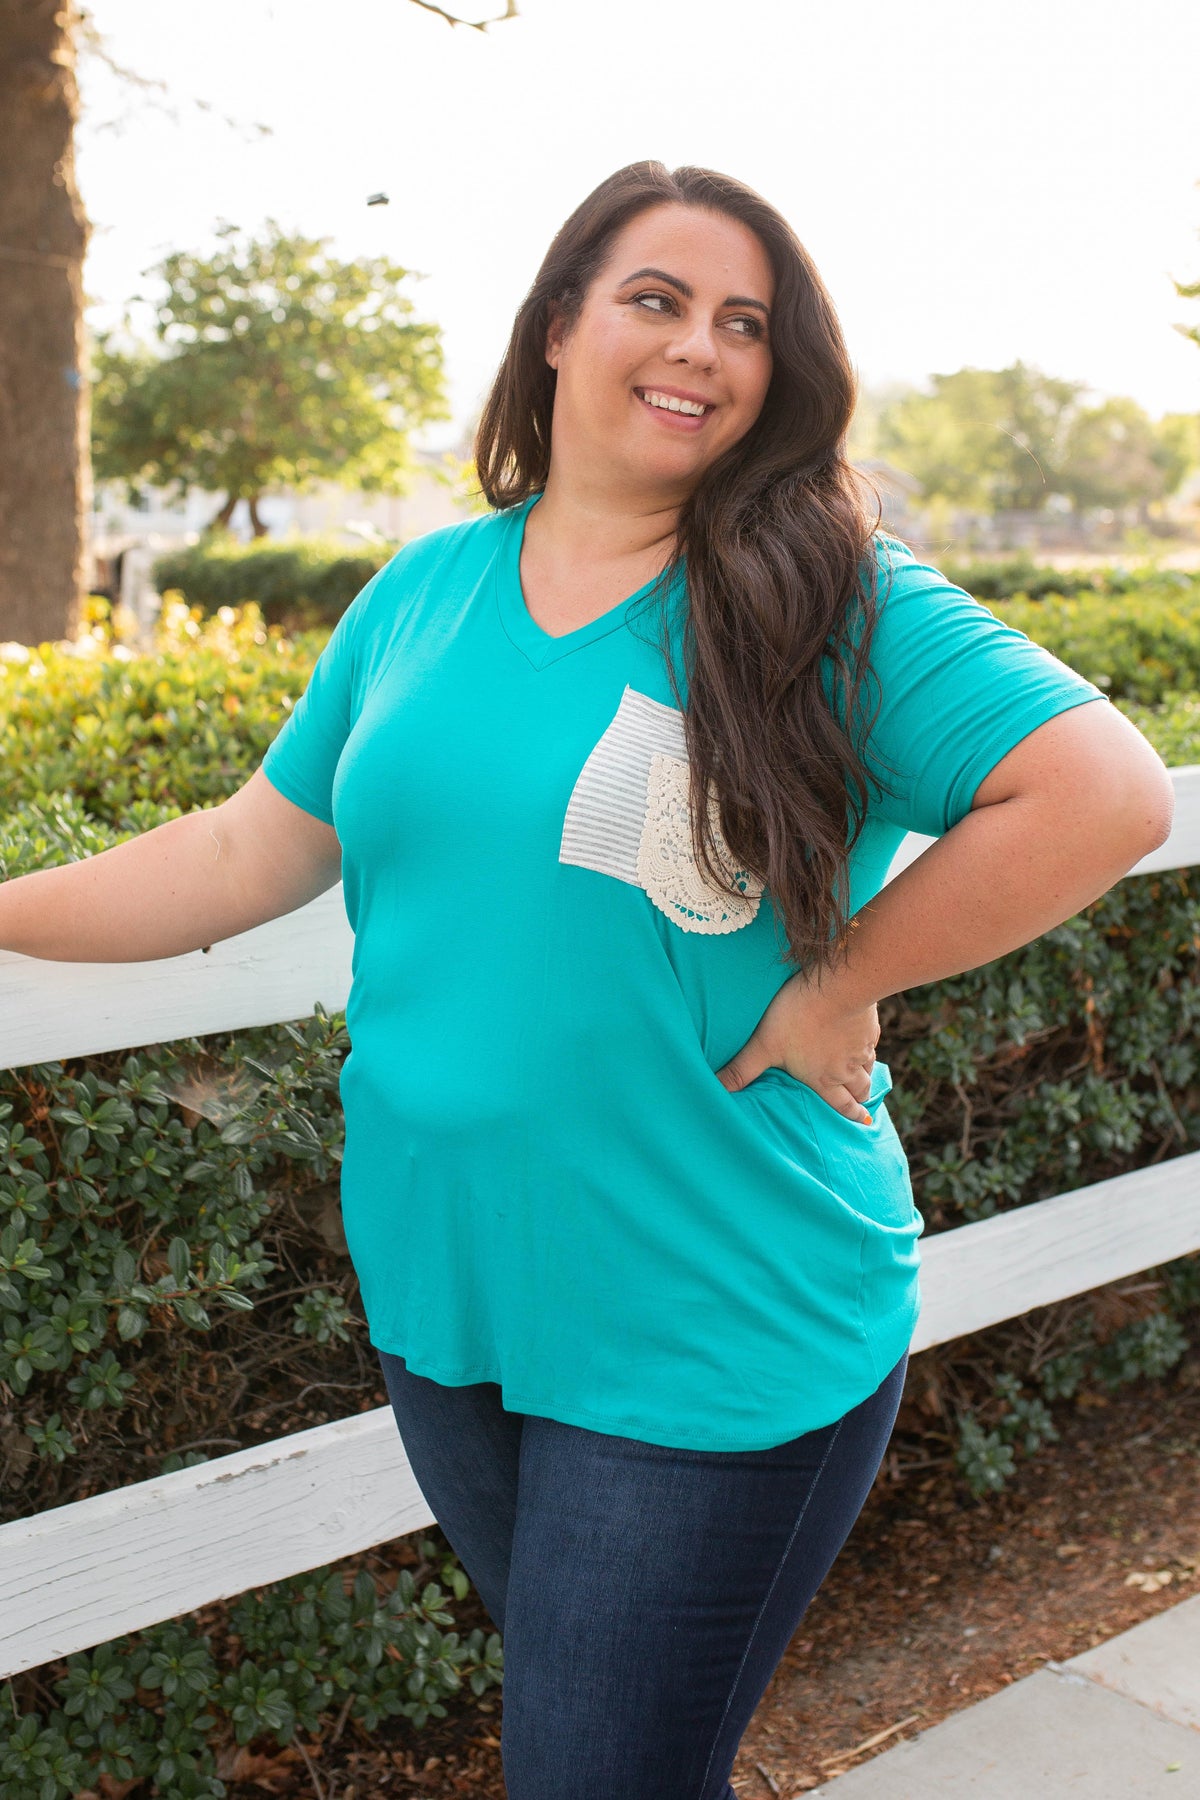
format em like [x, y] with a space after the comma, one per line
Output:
[975, 182]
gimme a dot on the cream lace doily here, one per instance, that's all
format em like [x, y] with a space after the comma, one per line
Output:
[667, 868]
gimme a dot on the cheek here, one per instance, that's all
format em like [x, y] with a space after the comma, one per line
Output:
[602, 372]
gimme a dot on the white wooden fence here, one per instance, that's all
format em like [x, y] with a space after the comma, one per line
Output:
[78, 1575]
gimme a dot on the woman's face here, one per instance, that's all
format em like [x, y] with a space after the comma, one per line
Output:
[679, 310]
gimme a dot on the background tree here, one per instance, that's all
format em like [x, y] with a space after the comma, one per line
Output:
[275, 365]
[1116, 456]
[990, 439]
[1180, 432]
[946, 439]
[1034, 413]
[1183, 429]
[874, 401]
[45, 483]
[1188, 290]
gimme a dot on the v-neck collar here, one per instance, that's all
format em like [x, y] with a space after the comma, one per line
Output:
[538, 646]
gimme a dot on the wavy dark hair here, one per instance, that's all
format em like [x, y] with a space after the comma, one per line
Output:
[773, 539]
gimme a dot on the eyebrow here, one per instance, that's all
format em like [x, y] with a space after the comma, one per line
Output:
[688, 292]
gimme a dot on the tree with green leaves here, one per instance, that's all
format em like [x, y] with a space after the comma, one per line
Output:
[1117, 457]
[1188, 290]
[275, 365]
[946, 438]
[1000, 439]
[992, 439]
[1182, 430]
[45, 473]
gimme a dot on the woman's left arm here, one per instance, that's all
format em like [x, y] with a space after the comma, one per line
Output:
[1069, 811]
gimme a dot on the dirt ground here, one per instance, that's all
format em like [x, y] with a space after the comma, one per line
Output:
[936, 1600]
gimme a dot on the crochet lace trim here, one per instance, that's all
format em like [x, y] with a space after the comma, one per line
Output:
[667, 867]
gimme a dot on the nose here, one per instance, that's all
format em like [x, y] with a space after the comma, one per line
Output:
[695, 343]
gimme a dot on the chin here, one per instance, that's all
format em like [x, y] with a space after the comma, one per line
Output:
[686, 460]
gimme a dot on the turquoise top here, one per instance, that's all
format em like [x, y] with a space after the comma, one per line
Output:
[544, 1183]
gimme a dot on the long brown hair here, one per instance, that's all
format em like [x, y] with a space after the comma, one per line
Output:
[773, 539]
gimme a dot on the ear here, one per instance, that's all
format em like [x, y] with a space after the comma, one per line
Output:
[554, 337]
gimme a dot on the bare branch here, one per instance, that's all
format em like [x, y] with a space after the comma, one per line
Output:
[475, 24]
[92, 43]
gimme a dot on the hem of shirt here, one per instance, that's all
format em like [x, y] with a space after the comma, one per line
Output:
[1012, 730]
[898, 1328]
[282, 784]
[615, 1427]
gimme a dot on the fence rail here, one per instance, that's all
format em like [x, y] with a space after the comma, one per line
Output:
[77, 1575]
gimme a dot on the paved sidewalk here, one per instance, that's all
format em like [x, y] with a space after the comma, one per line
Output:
[1120, 1722]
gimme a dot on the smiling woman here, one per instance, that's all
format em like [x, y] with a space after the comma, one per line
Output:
[662, 291]
[679, 400]
[618, 361]
[608, 1068]
[612, 774]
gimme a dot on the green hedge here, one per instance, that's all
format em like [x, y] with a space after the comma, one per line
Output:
[171, 1264]
[1002, 577]
[1144, 648]
[310, 580]
[159, 1707]
[134, 740]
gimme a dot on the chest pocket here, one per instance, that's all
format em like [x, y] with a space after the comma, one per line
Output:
[629, 816]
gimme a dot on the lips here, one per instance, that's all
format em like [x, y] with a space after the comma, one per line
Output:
[688, 421]
[674, 393]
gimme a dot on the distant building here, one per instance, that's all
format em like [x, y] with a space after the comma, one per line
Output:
[157, 522]
[898, 495]
[330, 511]
[153, 523]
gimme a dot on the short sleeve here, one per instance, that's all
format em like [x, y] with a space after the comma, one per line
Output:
[957, 690]
[302, 758]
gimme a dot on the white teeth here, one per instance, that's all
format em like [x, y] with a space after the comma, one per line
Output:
[670, 404]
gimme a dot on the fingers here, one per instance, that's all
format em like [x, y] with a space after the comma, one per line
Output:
[857, 1114]
[737, 1073]
[857, 1111]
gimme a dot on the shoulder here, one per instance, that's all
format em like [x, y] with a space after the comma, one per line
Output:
[924, 622]
[464, 540]
[889, 560]
[912, 595]
[463, 547]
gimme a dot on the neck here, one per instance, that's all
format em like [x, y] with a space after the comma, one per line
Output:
[602, 523]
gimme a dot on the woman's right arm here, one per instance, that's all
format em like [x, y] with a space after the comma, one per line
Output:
[185, 885]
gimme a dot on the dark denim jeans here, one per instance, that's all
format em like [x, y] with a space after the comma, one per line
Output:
[645, 1595]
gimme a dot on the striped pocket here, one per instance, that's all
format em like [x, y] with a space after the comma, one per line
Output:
[629, 816]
